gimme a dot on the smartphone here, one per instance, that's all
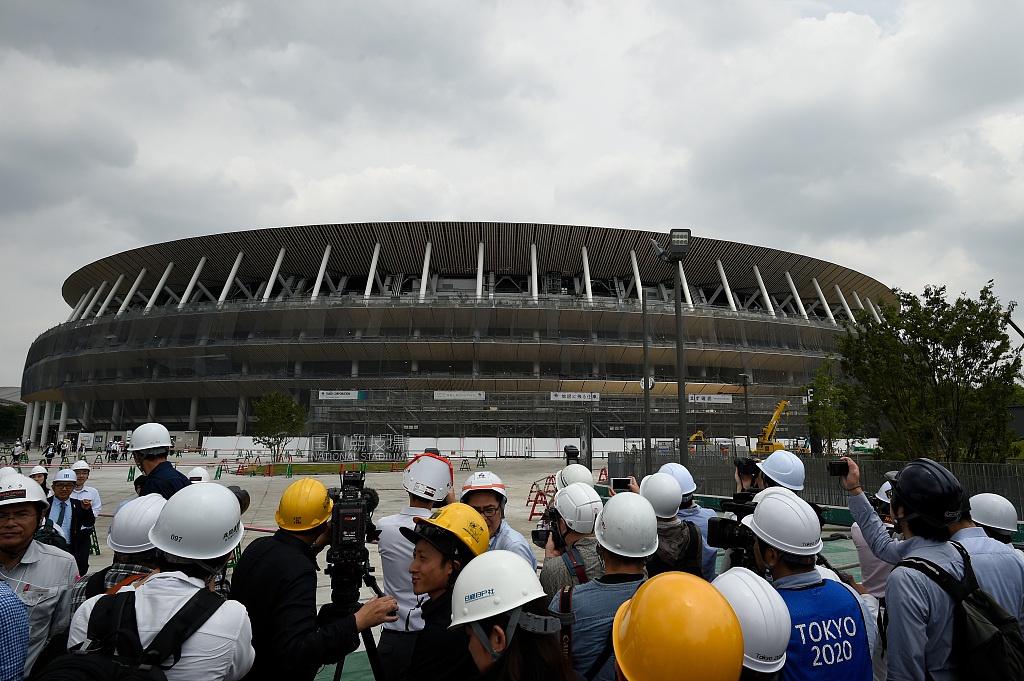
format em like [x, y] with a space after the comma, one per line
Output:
[620, 484]
[838, 469]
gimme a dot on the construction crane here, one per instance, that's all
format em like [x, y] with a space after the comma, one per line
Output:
[766, 443]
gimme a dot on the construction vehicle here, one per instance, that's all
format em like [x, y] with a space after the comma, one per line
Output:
[766, 442]
[698, 437]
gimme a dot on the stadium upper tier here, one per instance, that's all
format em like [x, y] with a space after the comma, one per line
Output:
[421, 306]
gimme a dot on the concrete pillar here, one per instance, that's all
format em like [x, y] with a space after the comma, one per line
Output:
[193, 414]
[26, 430]
[44, 437]
[110, 296]
[87, 415]
[426, 274]
[151, 411]
[320, 273]
[586, 276]
[243, 407]
[355, 368]
[192, 283]
[131, 293]
[35, 423]
[94, 300]
[159, 286]
[115, 415]
[62, 426]
[480, 271]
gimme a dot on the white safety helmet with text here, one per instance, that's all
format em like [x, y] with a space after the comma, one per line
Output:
[66, 475]
[484, 481]
[787, 523]
[7, 470]
[578, 505]
[664, 493]
[628, 526]
[763, 615]
[17, 489]
[149, 436]
[198, 523]
[129, 530]
[785, 468]
[994, 511]
[574, 472]
[80, 465]
[199, 474]
[428, 476]
[682, 475]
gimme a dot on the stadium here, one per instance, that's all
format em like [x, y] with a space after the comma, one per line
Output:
[514, 335]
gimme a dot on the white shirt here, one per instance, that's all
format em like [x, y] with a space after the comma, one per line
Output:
[395, 558]
[90, 493]
[220, 649]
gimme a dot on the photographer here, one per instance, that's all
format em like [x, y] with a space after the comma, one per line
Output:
[276, 581]
[428, 480]
[570, 552]
[680, 545]
[692, 511]
[780, 469]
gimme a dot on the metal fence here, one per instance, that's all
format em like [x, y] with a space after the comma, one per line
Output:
[714, 475]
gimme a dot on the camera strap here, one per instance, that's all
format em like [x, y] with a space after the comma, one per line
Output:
[574, 561]
[567, 617]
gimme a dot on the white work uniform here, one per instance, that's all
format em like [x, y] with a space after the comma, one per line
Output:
[396, 557]
[90, 493]
[220, 649]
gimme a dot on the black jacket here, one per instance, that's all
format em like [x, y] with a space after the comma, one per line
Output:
[441, 654]
[276, 582]
[164, 480]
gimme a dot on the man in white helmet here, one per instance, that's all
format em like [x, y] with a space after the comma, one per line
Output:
[428, 479]
[832, 629]
[680, 543]
[764, 620]
[135, 556]
[150, 445]
[74, 518]
[40, 575]
[690, 510]
[627, 533]
[570, 552]
[199, 474]
[997, 516]
[196, 531]
[574, 472]
[82, 470]
[485, 492]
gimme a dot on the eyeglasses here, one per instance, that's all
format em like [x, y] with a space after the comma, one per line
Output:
[63, 485]
[17, 516]
[487, 511]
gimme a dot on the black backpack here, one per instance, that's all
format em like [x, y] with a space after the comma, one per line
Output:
[48, 534]
[987, 642]
[114, 651]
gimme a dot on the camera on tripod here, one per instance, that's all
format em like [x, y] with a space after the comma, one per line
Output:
[352, 525]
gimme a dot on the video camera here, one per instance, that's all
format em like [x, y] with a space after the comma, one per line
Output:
[548, 526]
[747, 466]
[726, 533]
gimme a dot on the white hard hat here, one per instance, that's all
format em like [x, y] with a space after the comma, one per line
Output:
[662, 490]
[785, 468]
[884, 491]
[772, 490]
[80, 465]
[483, 481]
[574, 472]
[199, 474]
[628, 526]
[682, 476]
[578, 505]
[763, 615]
[199, 522]
[787, 523]
[428, 476]
[129, 530]
[66, 475]
[7, 470]
[148, 436]
[992, 510]
[17, 489]
[825, 573]
[38, 470]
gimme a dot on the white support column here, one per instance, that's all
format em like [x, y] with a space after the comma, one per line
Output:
[110, 296]
[115, 415]
[320, 273]
[846, 306]
[131, 293]
[192, 283]
[95, 298]
[193, 414]
[62, 425]
[273, 278]
[243, 403]
[36, 406]
[636, 276]
[685, 286]
[533, 271]
[725, 285]
[426, 273]
[160, 286]
[586, 276]
[27, 428]
[373, 271]
[231, 278]
[796, 296]
[874, 310]
[856, 299]
[151, 411]
[824, 303]
[81, 304]
[480, 271]
[764, 291]
[47, 414]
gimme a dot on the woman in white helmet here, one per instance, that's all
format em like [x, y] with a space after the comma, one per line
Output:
[500, 602]
[764, 620]
[196, 532]
[39, 474]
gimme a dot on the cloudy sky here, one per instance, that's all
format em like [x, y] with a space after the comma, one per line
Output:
[887, 136]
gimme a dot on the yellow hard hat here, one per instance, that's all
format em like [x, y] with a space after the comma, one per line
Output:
[677, 620]
[304, 505]
[452, 522]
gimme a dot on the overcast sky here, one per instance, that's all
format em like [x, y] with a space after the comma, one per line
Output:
[885, 136]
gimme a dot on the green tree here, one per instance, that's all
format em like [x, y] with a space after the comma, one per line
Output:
[833, 410]
[936, 377]
[278, 420]
[12, 418]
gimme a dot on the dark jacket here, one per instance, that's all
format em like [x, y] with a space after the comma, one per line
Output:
[680, 549]
[275, 580]
[80, 540]
[164, 480]
[441, 653]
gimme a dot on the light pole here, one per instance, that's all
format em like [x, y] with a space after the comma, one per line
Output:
[648, 464]
[746, 410]
[678, 247]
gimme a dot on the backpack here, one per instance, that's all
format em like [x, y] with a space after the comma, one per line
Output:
[114, 651]
[48, 534]
[689, 561]
[987, 642]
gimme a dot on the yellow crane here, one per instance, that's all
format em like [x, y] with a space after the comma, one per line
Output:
[766, 443]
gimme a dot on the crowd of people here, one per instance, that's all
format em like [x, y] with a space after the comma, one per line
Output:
[628, 587]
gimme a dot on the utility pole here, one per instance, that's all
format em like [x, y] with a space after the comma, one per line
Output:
[746, 410]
